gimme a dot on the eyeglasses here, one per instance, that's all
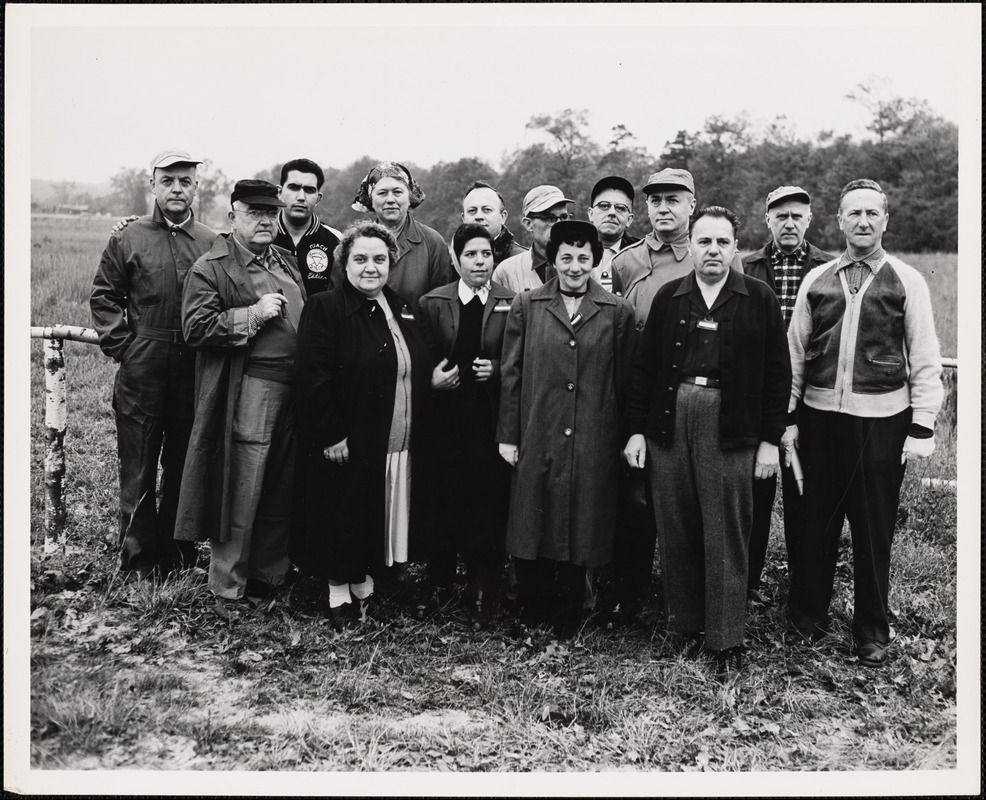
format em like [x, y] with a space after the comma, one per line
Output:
[552, 218]
[605, 206]
[257, 214]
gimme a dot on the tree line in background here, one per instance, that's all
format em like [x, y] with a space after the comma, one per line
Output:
[913, 154]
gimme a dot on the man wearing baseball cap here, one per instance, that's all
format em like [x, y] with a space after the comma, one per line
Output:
[136, 310]
[241, 308]
[543, 207]
[782, 264]
[611, 213]
[662, 255]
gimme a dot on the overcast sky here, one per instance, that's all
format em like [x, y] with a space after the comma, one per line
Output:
[249, 87]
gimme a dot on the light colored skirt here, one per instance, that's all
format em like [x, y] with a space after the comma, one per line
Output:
[398, 494]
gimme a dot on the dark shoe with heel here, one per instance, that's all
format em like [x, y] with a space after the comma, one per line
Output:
[871, 653]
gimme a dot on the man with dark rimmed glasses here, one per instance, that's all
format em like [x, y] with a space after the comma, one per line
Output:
[543, 207]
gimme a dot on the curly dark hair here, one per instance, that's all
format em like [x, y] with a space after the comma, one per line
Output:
[364, 229]
[466, 232]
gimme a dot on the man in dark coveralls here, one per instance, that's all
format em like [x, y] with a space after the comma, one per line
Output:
[136, 310]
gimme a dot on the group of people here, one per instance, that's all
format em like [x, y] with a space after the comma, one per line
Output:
[351, 402]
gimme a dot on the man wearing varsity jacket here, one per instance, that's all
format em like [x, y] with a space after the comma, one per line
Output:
[866, 390]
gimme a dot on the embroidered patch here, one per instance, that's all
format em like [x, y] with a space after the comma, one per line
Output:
[317, 260]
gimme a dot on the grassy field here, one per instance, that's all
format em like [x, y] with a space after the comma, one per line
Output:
[163, 676]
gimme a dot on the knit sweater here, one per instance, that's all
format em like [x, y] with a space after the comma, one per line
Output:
[871, 354]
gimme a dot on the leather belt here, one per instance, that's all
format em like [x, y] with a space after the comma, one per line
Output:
[159, 334]
[709, 383]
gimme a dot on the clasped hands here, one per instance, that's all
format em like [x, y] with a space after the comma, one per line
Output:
[446, 379]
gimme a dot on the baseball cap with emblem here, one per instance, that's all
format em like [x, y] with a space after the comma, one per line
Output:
[670, 177]
[611, 182]
[255, 193]
[168, 158]
[541, 198]
[782, 193]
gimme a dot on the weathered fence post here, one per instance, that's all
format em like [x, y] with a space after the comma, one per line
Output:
[55, 415]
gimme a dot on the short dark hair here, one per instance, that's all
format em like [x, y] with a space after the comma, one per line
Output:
[551, 249]
[305, 165]
[485, 185]
[466, 232]
[864, 183]
[364, 229]
[717, 212]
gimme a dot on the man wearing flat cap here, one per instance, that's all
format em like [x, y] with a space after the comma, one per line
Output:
[136, 310]
[611, 213]
[543, 207]
[782, 264]
[240, 311]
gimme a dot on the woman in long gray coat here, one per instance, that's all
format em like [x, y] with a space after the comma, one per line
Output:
[566, 352]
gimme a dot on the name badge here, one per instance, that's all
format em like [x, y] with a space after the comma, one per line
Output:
[708, 325]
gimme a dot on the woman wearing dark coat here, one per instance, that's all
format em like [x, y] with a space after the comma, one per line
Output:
[363, 379]
[464, 324]
[565, 362]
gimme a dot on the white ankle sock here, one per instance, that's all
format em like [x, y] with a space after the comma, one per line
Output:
[339, 595]
[362, 590]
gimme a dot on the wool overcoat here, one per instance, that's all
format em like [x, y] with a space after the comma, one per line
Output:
[562, 389]
[346, 378]
[214, 307]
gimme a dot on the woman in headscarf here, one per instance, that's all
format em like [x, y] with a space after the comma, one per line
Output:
[565, 361]
[423, 262]
[363, 378]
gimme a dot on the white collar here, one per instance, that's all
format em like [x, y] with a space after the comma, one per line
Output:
[467, 293]
[710, 293]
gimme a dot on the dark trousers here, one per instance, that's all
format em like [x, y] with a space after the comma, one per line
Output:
[550, 591]
[852, 469]
[703, 499]
[471, 489]
[635, 539]
[147, 527]
[763, 507]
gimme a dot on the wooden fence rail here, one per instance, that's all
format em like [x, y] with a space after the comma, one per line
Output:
[56, 419]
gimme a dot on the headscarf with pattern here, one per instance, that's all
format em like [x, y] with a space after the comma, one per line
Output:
[386, 169]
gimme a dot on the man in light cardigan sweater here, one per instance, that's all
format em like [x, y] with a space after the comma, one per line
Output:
[866, 390]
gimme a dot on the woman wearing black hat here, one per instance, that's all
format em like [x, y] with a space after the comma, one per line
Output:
[423, 262]
[566, 354]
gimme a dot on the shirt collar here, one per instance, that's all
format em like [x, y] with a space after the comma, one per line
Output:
[467, 293]
[244, 255]
[874, 260]
[797, 255]
[679, 247]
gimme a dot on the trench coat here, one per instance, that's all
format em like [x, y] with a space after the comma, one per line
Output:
[215, 297]
[345, 381]
[562, 392]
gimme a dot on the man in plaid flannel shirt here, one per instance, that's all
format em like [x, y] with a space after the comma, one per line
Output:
[782, 264]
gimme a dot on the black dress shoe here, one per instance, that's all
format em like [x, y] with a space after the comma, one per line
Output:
[341, 617]
[871, 653]
[729, 663]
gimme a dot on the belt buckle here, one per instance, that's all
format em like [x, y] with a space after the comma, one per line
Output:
[702, 381]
